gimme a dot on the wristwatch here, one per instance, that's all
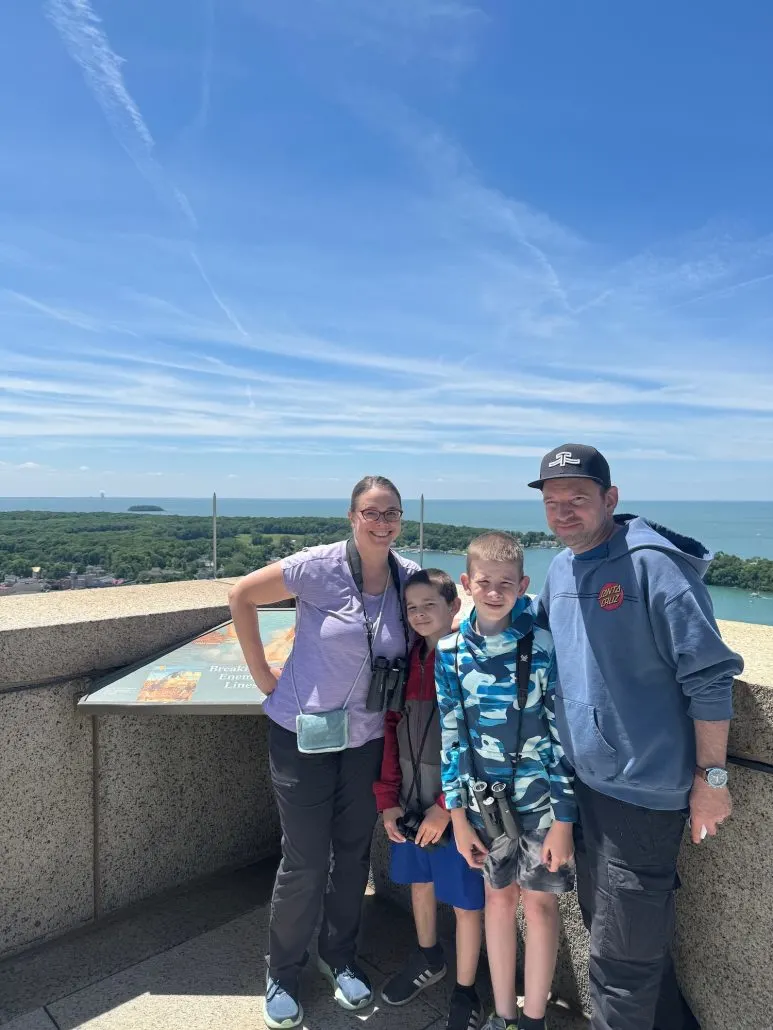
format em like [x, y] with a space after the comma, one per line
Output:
[714, 775]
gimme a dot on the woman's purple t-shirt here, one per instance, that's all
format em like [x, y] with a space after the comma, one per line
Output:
[331, 646]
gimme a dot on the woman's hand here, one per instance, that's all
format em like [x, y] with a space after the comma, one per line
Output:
[391, 815]
[433, 826]
[265, 678]
[558, 846]
[266, 586]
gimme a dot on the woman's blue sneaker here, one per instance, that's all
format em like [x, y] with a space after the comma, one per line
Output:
[352, 987]
[281, 1008]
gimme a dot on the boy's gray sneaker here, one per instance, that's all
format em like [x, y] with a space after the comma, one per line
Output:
[500, 1023]
[351, 986]
[416, 974]
[281, 1008]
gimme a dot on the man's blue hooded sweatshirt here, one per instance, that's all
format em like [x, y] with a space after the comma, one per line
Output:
[639, 658]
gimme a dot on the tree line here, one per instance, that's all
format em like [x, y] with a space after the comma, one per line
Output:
[728, 570]
[130, 546]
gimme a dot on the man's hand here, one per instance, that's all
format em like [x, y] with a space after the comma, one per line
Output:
[433, 826]
[391, 815]
[558, 846]
[709, 806]
[469, 844]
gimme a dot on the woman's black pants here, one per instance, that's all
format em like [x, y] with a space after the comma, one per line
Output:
[327, 811]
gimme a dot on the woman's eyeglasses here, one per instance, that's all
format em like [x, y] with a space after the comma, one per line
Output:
[374, 515]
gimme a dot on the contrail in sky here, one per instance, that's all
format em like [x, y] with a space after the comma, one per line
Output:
[81, 31]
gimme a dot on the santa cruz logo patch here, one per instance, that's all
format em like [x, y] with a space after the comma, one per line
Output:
[611, 596]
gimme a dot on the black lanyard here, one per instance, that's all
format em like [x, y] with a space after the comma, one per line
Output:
[354, 562]
[416, 760]
[523, 673]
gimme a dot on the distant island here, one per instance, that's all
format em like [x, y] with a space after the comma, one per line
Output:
[145, 507]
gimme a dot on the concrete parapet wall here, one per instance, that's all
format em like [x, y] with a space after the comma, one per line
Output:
[98, 815]
[179, 797]
[69, 633]
[725, 914]
[46, 824]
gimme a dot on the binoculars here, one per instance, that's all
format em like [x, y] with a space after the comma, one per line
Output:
[409, 824]
[496, 809]
[386, 691]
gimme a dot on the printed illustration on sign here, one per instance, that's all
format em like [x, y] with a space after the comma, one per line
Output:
[611, 596]
[168, 687]
[220, 645]
[278, 649]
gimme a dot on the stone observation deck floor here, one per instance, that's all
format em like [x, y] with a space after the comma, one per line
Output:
[194, 960]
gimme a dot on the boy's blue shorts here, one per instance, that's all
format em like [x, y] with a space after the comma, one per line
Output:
[455, 883]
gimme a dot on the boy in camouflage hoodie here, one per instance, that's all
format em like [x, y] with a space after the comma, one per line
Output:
[488, 738]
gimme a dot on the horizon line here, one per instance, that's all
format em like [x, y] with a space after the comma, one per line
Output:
[469, 500]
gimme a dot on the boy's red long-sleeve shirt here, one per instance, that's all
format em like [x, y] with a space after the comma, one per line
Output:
[420, 686]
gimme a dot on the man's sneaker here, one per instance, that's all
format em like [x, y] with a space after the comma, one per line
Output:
[500, 1023]
[464, 1012]
[351, 985]
[416, 974]
[281, 1008]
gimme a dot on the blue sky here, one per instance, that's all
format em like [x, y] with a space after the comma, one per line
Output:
[265, 248]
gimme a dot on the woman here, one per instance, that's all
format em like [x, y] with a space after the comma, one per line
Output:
[325, 746]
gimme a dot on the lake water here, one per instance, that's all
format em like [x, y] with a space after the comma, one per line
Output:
[744, 528]
[729, 603]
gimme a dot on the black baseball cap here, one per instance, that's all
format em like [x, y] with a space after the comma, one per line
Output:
[576, 461]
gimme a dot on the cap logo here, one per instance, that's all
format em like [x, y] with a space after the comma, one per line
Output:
[564, 458]
[611, 596]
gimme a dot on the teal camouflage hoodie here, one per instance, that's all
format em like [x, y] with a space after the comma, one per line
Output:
[482, 670]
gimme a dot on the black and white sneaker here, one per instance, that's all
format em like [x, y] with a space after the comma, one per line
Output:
[415, 975]
[464, 1012]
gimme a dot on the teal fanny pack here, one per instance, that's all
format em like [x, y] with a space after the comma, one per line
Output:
[322, 732]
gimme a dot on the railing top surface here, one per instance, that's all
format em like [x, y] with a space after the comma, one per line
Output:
[62, 607]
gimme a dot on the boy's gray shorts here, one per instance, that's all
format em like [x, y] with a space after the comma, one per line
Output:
[520, 861]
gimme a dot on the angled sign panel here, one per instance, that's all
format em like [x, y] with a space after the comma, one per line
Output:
[205, 676]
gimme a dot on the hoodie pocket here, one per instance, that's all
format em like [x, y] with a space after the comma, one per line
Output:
[583, 741]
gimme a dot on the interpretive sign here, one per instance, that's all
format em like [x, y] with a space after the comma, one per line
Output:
[206, 676]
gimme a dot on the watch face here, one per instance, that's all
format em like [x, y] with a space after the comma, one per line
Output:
[716, 777]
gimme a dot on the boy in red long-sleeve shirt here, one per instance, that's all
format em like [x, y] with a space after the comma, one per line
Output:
[423, 852]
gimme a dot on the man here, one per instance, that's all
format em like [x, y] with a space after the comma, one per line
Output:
[643, 710]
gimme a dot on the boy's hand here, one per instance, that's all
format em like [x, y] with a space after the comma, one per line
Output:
[468, 843]
[391, 815]
[433, 825]
[558, 846]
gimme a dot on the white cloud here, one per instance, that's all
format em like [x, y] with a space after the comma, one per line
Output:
[460, 323]
[87, 43]
[404, 30]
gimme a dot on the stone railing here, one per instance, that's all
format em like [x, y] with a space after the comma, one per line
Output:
[99, 812]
